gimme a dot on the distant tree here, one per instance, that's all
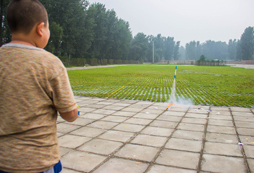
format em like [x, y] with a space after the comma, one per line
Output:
[202, 58]
[176, 51]
[247, 43]
[182, 53]
[191, 51]
[169, 45]
[238, 50]
[138, 47]
[232, 49]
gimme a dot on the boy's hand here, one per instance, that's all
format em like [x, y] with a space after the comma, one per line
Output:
[70, 116]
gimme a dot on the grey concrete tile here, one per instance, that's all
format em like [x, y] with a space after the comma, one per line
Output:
[195, 115]
[65, 170]
[122, 104]
[239, 109]
[102, 124]
[138, 121]
[59, 134]
[129, 101]
[152, 111]
[222, 149]
[157, 131]
[93, 116]
[217, 122]
[178, 109]
[115, 165]
[79, 121]
[217, 108]
[178, 158]
[81, 161]
[198, 111]
[194, 120]
[221, 129]
[113, 107]
[249, 151]
[60, 119]
[245, 114]
[251, 164]
[100, 146]
[221, 138]
[214, 163]
[137, 152]
[88, 132]
[65, 128]
[89, 101]
[245, 131]
[131, 109]
[105, 103]
[164, 124]
[220, 117]
[72, 141]
[116, 119]
[191, 127]
[125, 114]
[116, 136]
[174, 113]
[103, 111]
[129, 127]
[183, 134]
[162, 169]
[184, 145]
[144, 103]
[96, 106]
[154, 141]
[247, 140]
[145, 116]
[242, 124]
[169, 118]
[244, 118]
[86, 110]
[64, 151]
[220, 113]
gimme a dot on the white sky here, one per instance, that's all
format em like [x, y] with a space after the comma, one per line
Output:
[186, 20]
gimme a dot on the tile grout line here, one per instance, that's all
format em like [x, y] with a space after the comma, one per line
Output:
[163, 146]
[203, 143]
[239, 140]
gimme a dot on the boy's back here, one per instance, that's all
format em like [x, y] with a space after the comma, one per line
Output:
[31, 82]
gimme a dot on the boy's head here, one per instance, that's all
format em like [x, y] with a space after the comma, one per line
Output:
[25, 16]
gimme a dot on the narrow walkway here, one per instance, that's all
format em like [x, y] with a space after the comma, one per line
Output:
[129, 136]
[102, 66]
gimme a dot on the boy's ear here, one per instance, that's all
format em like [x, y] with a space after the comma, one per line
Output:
[39, 28]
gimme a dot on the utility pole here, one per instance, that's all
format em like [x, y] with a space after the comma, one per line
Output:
[153, 52]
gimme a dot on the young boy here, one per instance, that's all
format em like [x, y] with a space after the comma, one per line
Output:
[34, 86]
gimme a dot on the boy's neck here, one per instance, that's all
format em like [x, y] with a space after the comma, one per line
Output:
[22, 42]
[21, 39]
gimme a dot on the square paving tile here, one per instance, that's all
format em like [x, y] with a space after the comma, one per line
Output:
[164, 124]
[81, 161]
[131, 109]
[217, 108]
[125, 114]
[129, 127]
[100, 146]
[145, 116]
[65, 170]
[195, 115]
[88, 132]
[239, 109]
[198, 111]
[64, 151]
[152, 111]
[93, 116]
[96, 106]
[65, 128]
[113, 107]
[116, 119]
[194, 120]
[246, 132]
[251, 164]
[86, 110]
[169, 118]
[183, 134]
[222, 149]
[102, 124]
[79, 121]
[191, 127]
[184, 145]
[242, 124]
[137, 152]
[162, 169]
[72, 141]
[220, 113]
[249, 151]
[103, 111]
[248, 140]
[178, 158]
[154, 141]
[214, 163]
[157, 131]
[173, 113]
[138, 121]
[245, 114]
[221, 138]
[244, 118]
[116, 136]
[116, 165]
[220, 117]
[220, 122]
[221, 129]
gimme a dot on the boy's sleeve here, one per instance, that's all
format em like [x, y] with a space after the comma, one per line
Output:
[61, 92]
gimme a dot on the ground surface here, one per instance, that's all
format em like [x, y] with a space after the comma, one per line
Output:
[131, 136]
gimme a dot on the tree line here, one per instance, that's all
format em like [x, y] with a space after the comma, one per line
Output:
[90, 31]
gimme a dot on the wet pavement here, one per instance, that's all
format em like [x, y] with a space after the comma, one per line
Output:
[130, 136]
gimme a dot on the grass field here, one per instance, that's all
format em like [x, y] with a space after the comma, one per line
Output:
[205, 85]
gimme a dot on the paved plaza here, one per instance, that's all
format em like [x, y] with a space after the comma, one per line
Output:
[130, 136]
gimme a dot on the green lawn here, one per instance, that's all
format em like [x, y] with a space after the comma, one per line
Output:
[206, 85]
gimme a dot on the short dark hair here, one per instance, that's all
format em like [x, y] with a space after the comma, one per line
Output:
[23, 15]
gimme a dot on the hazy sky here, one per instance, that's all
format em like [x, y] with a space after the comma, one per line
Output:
[186, 20]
